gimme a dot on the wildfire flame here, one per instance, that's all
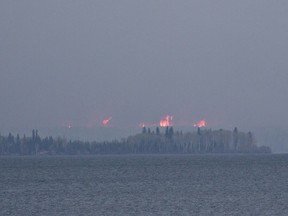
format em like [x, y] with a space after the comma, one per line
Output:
[167, 121]
[201, 123]
[106, 122]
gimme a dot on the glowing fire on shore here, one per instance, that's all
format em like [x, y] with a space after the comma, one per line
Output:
[166, 122]
[201, 123]
[106, 122]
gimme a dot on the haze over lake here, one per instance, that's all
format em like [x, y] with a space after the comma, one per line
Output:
[78, 63]
[85, 73]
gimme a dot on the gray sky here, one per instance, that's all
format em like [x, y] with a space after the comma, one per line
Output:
[78, 62]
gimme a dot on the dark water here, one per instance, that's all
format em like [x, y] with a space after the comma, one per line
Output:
[145, 185]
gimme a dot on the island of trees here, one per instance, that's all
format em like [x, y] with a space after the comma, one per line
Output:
[200, 141]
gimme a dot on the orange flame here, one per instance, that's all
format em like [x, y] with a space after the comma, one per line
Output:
[106, 122]
[167, 121]
[201, 123]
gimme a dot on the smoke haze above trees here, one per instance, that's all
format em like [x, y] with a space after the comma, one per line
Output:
[81, 62]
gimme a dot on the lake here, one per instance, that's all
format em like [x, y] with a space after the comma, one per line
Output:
[144, 185]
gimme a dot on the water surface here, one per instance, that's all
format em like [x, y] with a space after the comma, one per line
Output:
[144, 185]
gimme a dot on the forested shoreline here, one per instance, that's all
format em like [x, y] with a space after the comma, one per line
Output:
[201, 141]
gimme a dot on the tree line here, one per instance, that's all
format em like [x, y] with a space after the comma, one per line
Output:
[200, 141]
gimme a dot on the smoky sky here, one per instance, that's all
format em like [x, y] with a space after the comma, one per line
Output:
[80, 62]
